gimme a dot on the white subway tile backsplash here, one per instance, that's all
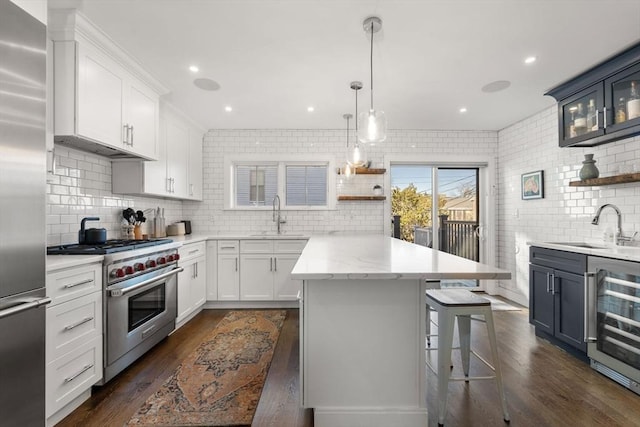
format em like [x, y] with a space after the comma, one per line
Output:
[565, 212]
[81, 186]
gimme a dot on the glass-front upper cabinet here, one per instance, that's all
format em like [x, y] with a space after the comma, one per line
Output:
[602, 104]
[622, 93]
[581, 116]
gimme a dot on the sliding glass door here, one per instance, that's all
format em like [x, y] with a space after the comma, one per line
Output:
[438, 207]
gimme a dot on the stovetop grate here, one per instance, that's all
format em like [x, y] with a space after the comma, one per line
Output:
[110, 246]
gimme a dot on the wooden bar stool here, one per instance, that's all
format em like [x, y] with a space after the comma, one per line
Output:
[461, 304]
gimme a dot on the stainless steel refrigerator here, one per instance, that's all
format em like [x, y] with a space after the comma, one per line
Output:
[22, 217]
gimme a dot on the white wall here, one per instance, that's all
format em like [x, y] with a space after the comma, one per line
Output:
[351, 216]
[565, 213]
[80, 187]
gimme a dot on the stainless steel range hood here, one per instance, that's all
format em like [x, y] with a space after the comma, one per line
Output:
[91, 146]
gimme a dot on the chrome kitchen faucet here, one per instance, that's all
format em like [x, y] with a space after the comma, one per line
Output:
[276, 212]
[619, 237]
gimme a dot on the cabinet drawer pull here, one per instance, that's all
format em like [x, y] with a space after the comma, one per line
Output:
[73, 285]
[131, 135]
[236, 263]
[125, 134]
[228, 247]
[548, 284]
[275, 264]
[75, 325]
[604, 115]
[553, 284]
[74, 376]
[194, 251]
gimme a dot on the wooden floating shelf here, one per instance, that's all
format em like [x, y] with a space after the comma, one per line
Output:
[364, 171]
[343, 198]
[609, 180]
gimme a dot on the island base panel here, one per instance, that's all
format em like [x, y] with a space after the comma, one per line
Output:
[363, 352]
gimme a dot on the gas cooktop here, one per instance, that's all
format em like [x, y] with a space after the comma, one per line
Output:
[110, 246]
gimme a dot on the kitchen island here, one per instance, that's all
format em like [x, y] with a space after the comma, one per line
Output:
[362, 327]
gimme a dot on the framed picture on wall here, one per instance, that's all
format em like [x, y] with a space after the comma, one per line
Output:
[532, 185]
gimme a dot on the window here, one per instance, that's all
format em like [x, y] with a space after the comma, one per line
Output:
[306, 185]
[300, 184]
[256, 185]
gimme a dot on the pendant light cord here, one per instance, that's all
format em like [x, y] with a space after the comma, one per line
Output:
[347, 132]
[371, 64]
[356, 116]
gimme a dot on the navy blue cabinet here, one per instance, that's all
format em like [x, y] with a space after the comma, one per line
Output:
[556, 296]
[602, 104]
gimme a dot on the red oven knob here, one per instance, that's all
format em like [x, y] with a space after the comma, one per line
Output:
[139, 266]
[128, 270]
[162, 260]
[170, 258]
[177, 257]
[150, 263]
[117, 273]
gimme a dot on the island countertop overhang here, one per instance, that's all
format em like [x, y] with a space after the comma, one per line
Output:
[381, 257]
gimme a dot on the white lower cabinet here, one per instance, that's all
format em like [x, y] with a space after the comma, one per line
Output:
[212, 270]
[284, 287]
[192, 282]
[265, 269]
[73, 337]
[256, 277]
[228, 270]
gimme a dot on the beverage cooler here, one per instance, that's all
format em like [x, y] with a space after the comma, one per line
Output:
[612, 319]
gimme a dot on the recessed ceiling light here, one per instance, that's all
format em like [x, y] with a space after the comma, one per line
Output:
[194, 69]
[228, 109]
[463, 110]
[530, 60]
[310, 109]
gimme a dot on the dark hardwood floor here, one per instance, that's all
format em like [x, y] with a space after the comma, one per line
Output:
[544, 385]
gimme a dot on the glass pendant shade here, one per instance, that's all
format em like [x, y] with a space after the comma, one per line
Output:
[372, 126]
[356, 155]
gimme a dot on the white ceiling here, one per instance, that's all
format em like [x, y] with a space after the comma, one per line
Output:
[274, 58]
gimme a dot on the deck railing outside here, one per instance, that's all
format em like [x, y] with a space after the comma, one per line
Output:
[456, 237]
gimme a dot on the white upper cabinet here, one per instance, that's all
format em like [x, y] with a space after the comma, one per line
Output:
[100, 88]
[195, 165]
[104, 102]
[178, 171]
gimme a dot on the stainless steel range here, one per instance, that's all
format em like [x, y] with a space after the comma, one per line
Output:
[139, 298]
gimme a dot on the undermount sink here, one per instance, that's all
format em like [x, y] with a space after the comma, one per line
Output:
[579, 245]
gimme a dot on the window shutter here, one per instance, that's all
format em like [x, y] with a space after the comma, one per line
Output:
[306, 185]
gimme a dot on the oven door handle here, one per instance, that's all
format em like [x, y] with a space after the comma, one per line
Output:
[590, 313]
[120, 291]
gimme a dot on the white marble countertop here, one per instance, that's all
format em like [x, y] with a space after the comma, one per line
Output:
[56, 262]
[193, 238]
[607, 250]
[382, 257]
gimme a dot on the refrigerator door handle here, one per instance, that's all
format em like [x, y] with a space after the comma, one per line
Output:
[24, 307]
[589, 307]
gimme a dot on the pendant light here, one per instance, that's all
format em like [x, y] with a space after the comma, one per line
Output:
[356, 156]
[347, 168]
[372, 123]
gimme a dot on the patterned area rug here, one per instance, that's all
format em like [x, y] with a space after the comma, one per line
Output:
[220, 383]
